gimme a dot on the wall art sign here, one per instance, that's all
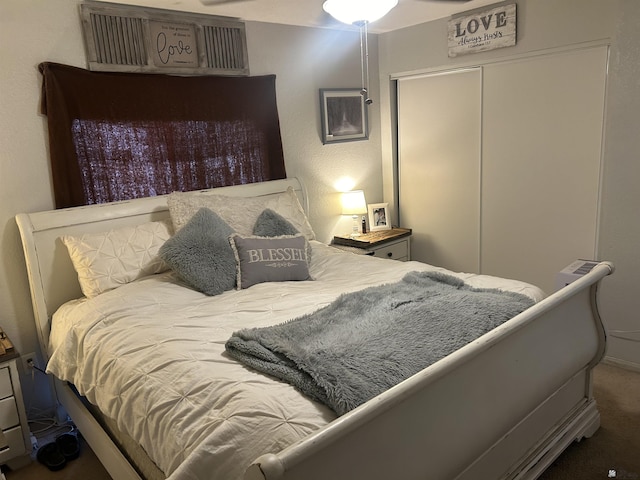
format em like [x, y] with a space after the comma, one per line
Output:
[129, 38]
[482, 31]
[173, 44]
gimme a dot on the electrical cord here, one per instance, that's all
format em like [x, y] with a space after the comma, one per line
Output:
[33, 365]
[42, 425]
[34, 368]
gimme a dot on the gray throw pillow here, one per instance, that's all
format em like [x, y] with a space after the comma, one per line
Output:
[270, 259]
[272, 224]
[201, 255]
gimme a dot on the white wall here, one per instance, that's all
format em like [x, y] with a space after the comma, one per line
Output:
[620, 221]
[544, 25]
[303, 60]
[30, 32]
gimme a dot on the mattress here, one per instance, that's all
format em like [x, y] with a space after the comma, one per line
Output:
[151, 356]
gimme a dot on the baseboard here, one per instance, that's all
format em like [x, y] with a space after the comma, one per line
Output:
[617, 362]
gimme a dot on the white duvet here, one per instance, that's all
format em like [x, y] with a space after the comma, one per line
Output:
[151, 356]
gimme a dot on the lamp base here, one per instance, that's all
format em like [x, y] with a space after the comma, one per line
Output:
[355, 232]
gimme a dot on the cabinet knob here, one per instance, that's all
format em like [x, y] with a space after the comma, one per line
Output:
[389, 254]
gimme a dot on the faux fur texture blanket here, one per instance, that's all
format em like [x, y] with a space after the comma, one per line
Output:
[367, 341]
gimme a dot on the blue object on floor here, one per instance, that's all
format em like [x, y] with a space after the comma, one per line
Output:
[51, 457]
[68, 445]
[55, 455]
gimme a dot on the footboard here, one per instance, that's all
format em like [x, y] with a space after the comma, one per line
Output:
[504, 406]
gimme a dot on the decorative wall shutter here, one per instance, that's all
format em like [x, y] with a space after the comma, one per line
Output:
[124, 38]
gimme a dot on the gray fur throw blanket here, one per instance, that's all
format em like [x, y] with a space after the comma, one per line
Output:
[367, 341]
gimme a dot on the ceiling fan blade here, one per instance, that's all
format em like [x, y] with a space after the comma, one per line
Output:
[221, 2]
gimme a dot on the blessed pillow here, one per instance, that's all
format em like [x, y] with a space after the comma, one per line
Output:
[107, 260]
[240, 213]
[201, 255]
[269, 259]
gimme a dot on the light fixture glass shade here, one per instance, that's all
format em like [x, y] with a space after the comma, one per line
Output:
[358, 11]
[353, 203]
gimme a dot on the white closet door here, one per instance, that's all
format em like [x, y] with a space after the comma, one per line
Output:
[542, 133]
[439, 148]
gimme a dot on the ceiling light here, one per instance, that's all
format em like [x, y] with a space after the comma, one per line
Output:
[358, 11]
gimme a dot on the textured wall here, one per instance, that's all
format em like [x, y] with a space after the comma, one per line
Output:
[619, 220]
[305, 60]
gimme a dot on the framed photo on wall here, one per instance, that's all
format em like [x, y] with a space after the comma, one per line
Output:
[343, 115]
[379, 216]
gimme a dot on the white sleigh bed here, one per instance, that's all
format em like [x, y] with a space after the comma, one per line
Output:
[502, 407]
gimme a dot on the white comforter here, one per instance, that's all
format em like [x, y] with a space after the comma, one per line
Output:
[151, 356]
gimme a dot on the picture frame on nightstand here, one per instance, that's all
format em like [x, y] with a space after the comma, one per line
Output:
[379, 216]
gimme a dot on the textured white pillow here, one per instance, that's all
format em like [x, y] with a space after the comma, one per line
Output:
[107, 260]
[239, 212]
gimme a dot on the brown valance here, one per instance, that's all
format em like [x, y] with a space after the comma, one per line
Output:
[116, 136]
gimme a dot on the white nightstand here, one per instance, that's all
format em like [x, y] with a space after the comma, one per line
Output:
[394, 244]
[15, 444]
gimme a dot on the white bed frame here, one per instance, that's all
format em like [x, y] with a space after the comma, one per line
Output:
[502, 407]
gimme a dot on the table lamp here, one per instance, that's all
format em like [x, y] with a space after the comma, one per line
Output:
[354, 204]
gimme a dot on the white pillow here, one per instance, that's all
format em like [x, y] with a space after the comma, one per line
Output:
[107, 260]
[240, 213]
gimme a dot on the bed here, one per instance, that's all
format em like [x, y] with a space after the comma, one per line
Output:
[503, 406]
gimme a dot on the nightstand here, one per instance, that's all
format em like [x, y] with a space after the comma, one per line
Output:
[394, 244]
[15, 444]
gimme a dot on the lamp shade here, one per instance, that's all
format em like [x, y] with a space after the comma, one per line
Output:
[353, 203]
[358, 11]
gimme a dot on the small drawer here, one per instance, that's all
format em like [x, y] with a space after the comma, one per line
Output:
[395, 251]
[16, 446]
[8, 413]
[6, 389]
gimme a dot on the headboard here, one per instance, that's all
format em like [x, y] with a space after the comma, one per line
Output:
[52, 278]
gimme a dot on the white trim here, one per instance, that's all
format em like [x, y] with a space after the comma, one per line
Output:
[618, 362]
[470, 64]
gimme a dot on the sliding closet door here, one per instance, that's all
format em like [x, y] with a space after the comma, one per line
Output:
[542, 133]
[439, 167]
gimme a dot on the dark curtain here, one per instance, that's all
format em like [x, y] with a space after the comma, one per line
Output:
[116, 136]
